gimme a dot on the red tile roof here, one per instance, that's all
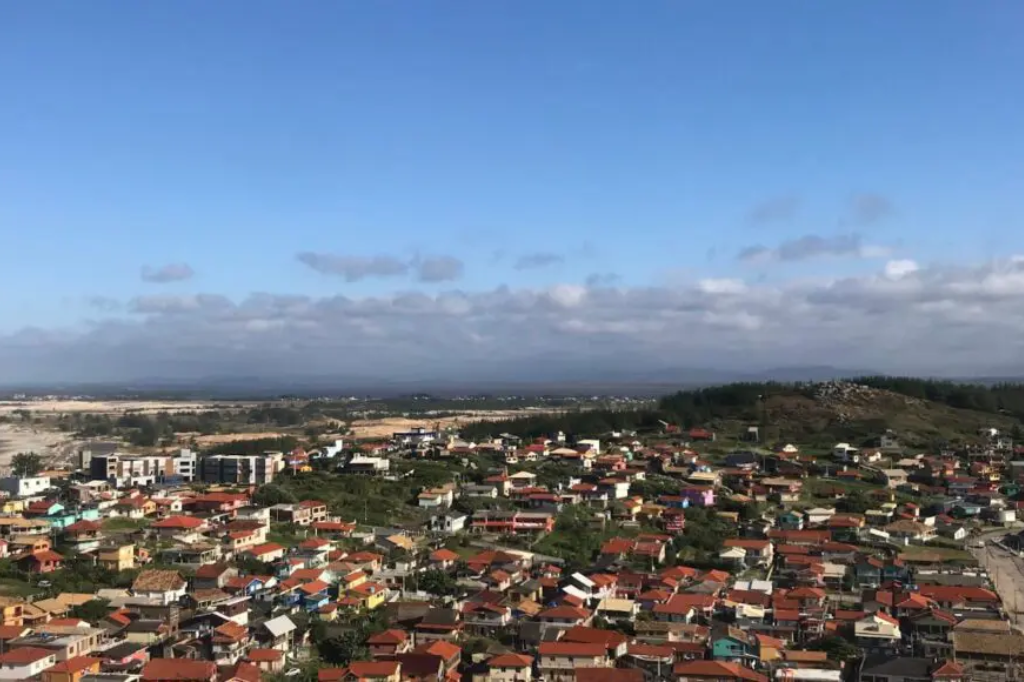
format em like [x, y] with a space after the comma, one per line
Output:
[717, 670]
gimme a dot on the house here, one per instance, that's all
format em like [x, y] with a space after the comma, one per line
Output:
[559, 660]
[512, 522]
[732, 645]
[432, 498]
[166, 587]
[448, 523]
[389, 643]
[73, 669]
[25, 663]
[892, 668]
[230, 642]
[756, 552]
[45, 561]
[117, 558]
[510, 668]
[277, 633]
[715, 671]
[179, 670]
[877, 632]
[268, 661]
[819, 516]
[185, 526]
[25, 486]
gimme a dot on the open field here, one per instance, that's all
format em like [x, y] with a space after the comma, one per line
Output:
[381, 428]
[52, 445]
[221, 438]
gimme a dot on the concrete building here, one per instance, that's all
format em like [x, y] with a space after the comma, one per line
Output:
[240, 469]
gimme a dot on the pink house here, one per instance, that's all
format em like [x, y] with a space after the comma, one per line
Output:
[699, 496]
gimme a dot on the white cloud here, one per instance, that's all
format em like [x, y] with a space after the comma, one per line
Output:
[906, 317]
[896, 269]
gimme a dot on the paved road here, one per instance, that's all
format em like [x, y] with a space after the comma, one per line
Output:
[1007, 572]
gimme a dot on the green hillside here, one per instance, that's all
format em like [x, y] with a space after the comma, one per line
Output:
[923, 413]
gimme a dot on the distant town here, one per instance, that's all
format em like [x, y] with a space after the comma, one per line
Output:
[516, 546]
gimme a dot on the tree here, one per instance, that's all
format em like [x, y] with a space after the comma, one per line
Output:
[855, 502]
[26, 464]
[271, 494]
[343, 648]
[93, 611]
[438, 583]
[837, 648]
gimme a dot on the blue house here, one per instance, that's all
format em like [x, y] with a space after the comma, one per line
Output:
[732, 645]
[314, 595]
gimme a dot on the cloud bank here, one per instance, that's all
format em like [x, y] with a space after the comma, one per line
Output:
[906, 317]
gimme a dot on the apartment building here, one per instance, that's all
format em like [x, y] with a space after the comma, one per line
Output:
[137, 470]
[240, 469]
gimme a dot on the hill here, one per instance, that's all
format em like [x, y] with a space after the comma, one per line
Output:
[923, 413]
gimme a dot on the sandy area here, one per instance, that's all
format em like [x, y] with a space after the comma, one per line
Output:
[52, 407]
[219, 438]
[381, 428]
[52, 445]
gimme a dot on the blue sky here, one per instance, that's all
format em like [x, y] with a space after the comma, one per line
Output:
[643, 146]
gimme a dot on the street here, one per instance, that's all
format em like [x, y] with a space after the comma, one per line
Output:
[1007, 572]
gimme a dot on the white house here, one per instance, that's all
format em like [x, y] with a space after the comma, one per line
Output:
[25, 486]
[877, 629]
[450, 522]
[819, 515]
[844, 452]
[361, 464]
[26, 663]
[434, 498]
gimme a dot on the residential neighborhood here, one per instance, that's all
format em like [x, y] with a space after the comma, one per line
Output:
[612, 557]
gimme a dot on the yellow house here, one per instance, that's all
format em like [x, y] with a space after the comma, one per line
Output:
[354, 579]
[12, 611]
[13, 506]
[369, 595]
[118, 558]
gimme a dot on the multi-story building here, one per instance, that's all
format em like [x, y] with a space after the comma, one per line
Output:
[239, 469]
[301, 514]
[124, 470]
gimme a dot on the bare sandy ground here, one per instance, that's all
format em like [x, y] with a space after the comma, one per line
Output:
[54, 446]
[56, 407]
[382, 428]
[219, 438]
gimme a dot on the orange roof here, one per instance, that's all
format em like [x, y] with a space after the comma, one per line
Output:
[25, 655]
[392, 636]
[717, 670]
[230, 632]
[172, 522]
[265, 548]
[314, 587]
[264, 655]
[373, 668]
[443, 554]
[511, 661]
[445, 650]
[76, 665]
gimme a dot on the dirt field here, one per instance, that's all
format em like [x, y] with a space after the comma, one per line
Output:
[217, 439]
[381, 428]
[54, 446]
